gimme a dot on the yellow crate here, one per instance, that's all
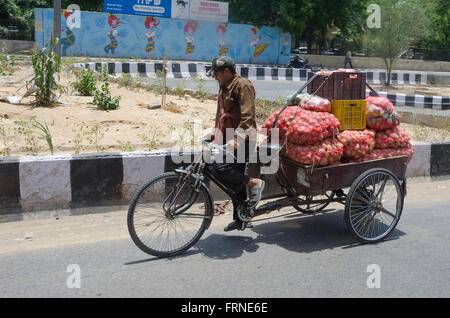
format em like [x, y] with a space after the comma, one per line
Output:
[350, 113]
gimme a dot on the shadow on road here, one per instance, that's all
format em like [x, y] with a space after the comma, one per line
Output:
[302, 234]
[298, 233]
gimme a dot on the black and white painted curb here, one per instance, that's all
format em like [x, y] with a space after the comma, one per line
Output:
[190, 70]
[419, 101]
[30, 187]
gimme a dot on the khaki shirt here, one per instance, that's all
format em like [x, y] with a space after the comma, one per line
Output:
[239, 95]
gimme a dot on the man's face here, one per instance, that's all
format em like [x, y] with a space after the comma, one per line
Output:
[223, 76]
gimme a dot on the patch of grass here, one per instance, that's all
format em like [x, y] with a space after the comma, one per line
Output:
[25, 129]
[150, 139]
[202, 92]
[179, 90]
[7, 138]
[264, 109]
[126, 146]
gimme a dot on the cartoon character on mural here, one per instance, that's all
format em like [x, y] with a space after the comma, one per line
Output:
[221, 30]
[113, 35]
[258, 48]
[69, 39]
[189, 30]
[151, 24]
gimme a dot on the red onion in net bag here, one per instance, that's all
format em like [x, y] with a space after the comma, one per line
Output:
[327, 152]
[316, 103]
[380, 113]
[386, 153]
[357, 143]
[303, 126]
[392, 138]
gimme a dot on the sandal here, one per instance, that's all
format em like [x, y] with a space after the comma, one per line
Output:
[255, 195]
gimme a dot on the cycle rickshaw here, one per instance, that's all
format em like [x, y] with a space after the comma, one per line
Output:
[170, 213]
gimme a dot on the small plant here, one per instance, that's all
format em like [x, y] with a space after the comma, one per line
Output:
[7, 62]
[202, 92]
[44, 131]
[280, 101]
[125, 146]
[125, 80]
[86, 83]
[46, 64]
[158, 83]
[179, 90]
[7, 138]
[103, 98]
[149, 140]
[25, 128]
[185, 136]
[78, 139]
[93, 136]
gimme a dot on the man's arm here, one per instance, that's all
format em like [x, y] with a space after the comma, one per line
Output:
[248, 111]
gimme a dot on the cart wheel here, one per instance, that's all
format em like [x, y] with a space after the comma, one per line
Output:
[306, 207]
[374, 205]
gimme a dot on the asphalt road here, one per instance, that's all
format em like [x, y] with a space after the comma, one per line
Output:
[269, 90]
[292, 256]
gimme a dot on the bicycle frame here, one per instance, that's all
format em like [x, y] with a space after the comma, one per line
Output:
[198, 172]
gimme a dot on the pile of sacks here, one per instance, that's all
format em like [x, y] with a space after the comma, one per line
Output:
[311, 133]
[390, 140]
[310, 136]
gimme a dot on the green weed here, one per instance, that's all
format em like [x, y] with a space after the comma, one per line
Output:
[102, 98]
[7, 62]
[86, 83]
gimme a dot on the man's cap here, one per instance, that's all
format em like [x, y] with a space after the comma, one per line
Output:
[219, 64]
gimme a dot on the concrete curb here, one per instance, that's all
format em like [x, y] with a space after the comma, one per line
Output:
[36, 187]
[190, 70]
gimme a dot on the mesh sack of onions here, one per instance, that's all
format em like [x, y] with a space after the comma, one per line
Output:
[327, 152]
[303, 126]
[357, 143]
[392, 138]
[386, 153]
[381, 114]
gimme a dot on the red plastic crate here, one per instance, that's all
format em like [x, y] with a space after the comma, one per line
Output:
[339, 86]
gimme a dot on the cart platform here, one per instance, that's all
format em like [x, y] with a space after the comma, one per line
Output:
[312, 181]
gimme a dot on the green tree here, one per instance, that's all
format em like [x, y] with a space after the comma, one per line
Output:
[17, 16]
[437, 46]
[402, 23]
[308, 20]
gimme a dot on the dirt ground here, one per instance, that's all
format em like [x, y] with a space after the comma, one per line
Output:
[129, 128]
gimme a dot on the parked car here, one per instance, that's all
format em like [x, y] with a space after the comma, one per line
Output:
[329, 52]
[301, 50]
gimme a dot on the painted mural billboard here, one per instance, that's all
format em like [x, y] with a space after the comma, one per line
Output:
[118, 35]
[176, 9]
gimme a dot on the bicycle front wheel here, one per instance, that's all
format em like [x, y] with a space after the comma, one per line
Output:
[167, 216]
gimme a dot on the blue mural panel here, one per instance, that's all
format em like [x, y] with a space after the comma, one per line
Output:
[119, 35]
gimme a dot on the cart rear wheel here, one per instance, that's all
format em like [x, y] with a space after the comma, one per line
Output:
[374, 205]
[306, 207]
